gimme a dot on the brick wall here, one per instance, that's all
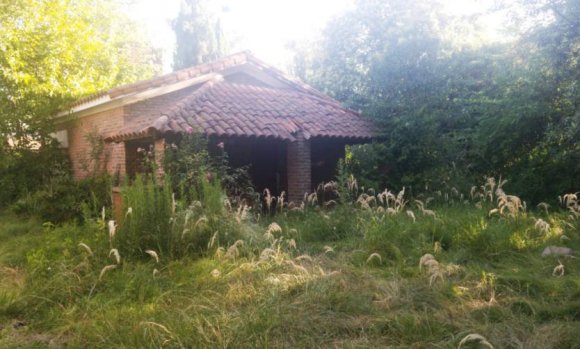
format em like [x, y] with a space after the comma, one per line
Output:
[299, 168]
[107, 123]
[101, 124]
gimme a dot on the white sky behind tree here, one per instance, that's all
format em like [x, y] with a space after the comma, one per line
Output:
[269, 27]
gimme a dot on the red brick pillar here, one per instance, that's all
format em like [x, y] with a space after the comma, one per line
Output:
[159, 149]
[299, 168]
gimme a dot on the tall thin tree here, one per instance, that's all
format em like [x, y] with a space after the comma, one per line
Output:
[198, 33]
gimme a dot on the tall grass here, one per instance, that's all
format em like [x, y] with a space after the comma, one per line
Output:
[174, 224]
[149, 211]
[201, 273]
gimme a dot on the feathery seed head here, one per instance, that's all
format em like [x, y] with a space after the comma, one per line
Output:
[477, 338]
[373, 256]
[115, 254]
[106, 269]
[86, 248]
[112, 229]
[153, 254]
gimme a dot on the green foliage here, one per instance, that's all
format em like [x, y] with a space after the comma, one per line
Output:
[267, 291]
[51, 53]
[447, 109]
[24, 172]
[64, 199]
[55, 51]
[147, 224]
[198, 33]
[157, 219]
[189, 163]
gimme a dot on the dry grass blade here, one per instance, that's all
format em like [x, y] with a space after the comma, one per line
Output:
[328, 249]
[411, 215]
[477, 338]
[544, 206]
[228, 204]
[153, 254]
[86, 248]
[420, 205]
[268, 198]
[432, 265]
[106, 269]
[429, 213]
[151, 323]
[274, 228]
[280, 201]
[437, 247]
[211, 242]
[112, 229]
[267, 253]
[426, 257]
[115, 253]
[373, 256]
[542, 225]
[243, 213]
[570, 199]
[472, 192]
[173, 204]
[233, 251]
[558, 270]
[304, 257]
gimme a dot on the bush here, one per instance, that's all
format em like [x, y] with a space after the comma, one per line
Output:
[189, 162]
[65, 199]
[24, 171]
[156, 219]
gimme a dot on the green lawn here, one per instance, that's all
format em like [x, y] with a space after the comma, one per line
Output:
[344, 277]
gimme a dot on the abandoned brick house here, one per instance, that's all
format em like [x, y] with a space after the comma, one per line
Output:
[290, 134]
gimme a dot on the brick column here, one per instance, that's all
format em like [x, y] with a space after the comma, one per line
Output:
[159, 149]
[299, 168]
[116, 161]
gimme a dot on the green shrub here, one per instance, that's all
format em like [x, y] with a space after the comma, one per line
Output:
[66, 200]
[149, 213]
[156, 219]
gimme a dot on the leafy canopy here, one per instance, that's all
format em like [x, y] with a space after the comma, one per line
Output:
[448, 109]
[53, 51]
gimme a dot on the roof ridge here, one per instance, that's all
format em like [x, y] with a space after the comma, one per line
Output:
[301, 86]
[178, 75]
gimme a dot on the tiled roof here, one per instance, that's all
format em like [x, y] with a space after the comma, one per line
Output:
[180, 75]
[229, 109]
[219, 65]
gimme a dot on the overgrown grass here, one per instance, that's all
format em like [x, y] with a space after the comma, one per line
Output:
[314, 277]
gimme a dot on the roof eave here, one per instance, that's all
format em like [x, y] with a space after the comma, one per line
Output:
[105, 103]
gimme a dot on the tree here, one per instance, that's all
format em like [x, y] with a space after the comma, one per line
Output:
[445, 109]
[51, 53]
[54, 51]
[198, 33]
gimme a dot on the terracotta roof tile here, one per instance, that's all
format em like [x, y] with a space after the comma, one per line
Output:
[225, 108]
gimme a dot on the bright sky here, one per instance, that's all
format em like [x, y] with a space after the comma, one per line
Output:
[266, 27]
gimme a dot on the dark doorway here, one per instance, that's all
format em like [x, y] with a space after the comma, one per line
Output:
[324, 154]
[266, 159]
[138, 157]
